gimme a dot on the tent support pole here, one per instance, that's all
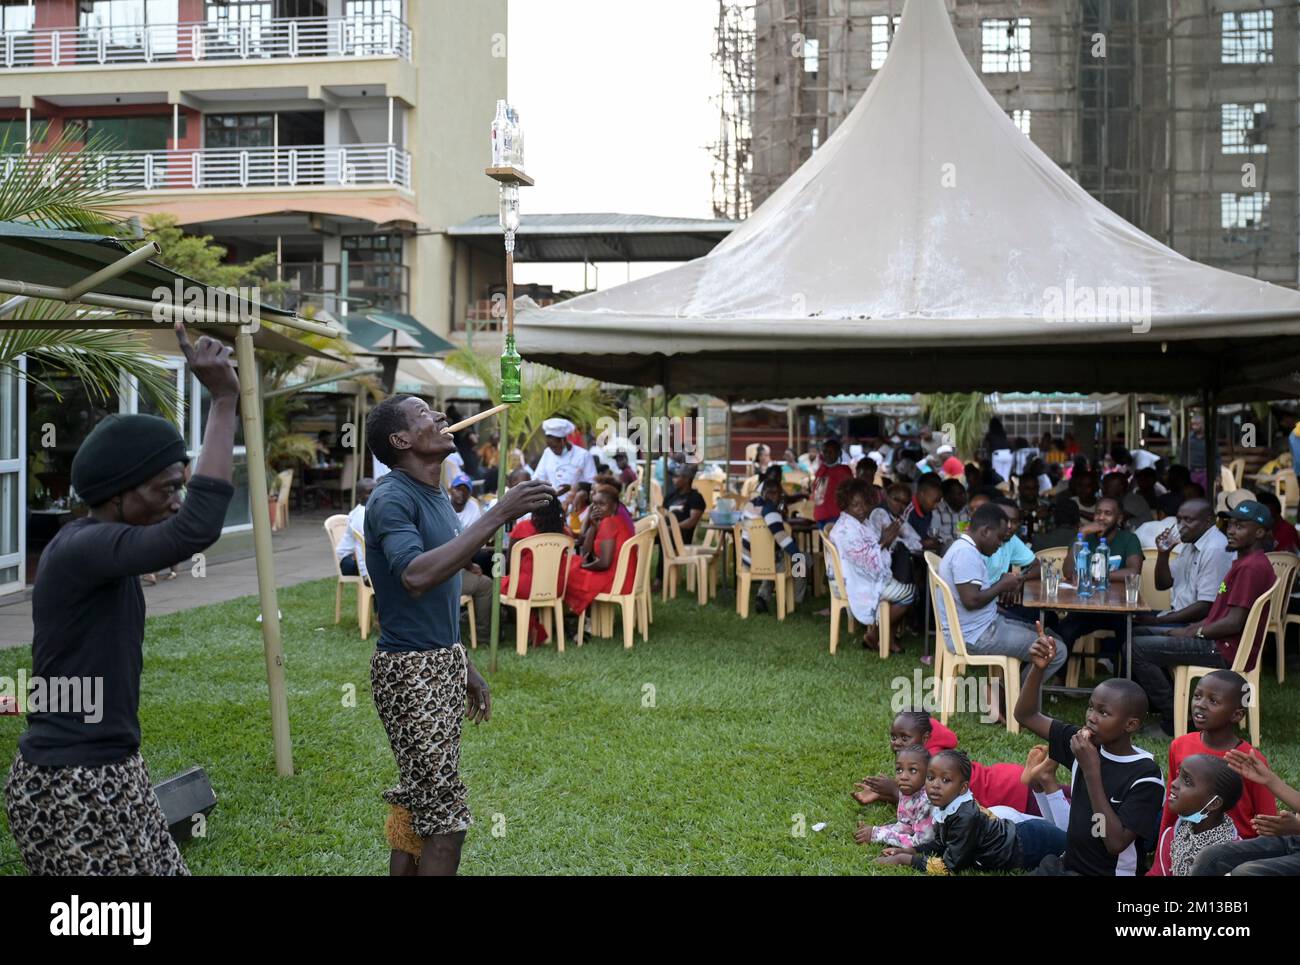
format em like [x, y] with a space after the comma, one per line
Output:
[726, 458]
[251, 412]
[1211, 411]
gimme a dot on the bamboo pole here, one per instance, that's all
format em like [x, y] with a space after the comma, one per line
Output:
[251, 412]
[498, 540]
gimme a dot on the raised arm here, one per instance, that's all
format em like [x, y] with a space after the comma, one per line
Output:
[1028, 712]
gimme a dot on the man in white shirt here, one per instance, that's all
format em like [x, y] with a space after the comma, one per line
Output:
[467, 508]
[350, 564]
[1194, 575]
[563, 465]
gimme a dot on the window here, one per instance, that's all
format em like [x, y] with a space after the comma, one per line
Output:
[882, 35]
[1244, 128]
[17, 17]
[811, 51]
[128, 133]
[126, 21]
[1005, 45]
[239, 130]
[375, 272]
[1248, 37]
[1021, 120]
[1245, 211]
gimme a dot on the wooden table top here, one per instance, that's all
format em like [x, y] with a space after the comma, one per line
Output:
[1067, 598]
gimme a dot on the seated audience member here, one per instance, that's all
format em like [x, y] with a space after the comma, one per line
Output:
[762, 459]
[1116, 790]
[865, 551]
[929, 493]
[1194, 575]
[915, 824]
[1218, 708]
[1035, 512]
[767, 506]
[467, 508]
[966, 835]
[1276, 851]
[965, 570]
[591, 569]
[943, 526]
[1114, 485]
[549, 519]
[1284, 534]
[1201, 792]
[686, 503]
[1136, 511]
[350, 564]
[579, 506]
[1213, 641]
[866, 470]
[1176, 480]
[1013, 551]
[832, 472]
[1149, 531]
[625, 470]
[1083, 489]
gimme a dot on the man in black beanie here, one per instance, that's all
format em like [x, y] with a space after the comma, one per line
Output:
[79, 798]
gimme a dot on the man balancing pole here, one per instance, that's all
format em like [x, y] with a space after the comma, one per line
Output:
[420, 675]
[78, 797]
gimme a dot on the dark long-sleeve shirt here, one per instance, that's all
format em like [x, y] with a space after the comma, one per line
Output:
[88, 617]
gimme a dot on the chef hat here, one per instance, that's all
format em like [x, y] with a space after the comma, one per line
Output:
[557, 427]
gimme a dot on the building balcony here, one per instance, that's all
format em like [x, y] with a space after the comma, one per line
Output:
[341, 166]
[378, 285]
[208, 43]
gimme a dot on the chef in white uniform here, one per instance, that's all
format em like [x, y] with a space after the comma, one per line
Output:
[563, 465]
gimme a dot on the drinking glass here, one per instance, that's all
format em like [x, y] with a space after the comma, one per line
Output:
[1132, 584]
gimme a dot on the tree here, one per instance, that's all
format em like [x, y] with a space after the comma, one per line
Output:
[967, 412]
[63, 188]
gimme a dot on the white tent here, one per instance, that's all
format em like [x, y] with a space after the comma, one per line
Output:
[928, 245]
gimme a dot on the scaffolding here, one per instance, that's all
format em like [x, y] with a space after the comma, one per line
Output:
[1183, 116]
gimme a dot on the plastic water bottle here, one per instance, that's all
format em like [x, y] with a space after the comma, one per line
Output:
[1099, 571]
[1079, 553]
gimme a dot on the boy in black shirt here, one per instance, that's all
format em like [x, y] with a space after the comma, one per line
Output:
[1116, 788]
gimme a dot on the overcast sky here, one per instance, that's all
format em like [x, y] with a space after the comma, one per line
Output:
[615, 101]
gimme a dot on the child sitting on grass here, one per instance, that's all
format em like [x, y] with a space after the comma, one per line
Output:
[1217, 709]
[966, 835]
[992, 784]
[1200, 797]
[1039, 775]
[915, 824]
[1116, 788]
[1276, 851]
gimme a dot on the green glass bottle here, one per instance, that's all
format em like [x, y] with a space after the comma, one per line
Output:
[510, 379]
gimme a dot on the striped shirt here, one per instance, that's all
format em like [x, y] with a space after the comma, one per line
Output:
[771, 514]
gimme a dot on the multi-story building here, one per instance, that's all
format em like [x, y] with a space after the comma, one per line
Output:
[345, 136]
[1179, 115]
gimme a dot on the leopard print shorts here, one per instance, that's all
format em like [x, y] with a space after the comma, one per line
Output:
[102, 820]
[420, 697]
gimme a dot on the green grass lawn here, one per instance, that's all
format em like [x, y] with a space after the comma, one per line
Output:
[754, 731]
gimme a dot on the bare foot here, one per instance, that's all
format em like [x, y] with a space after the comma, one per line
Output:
[995, 704]
[1033, 760]
[871, 637]
[150, 579]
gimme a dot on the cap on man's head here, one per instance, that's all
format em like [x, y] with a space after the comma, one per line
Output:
[944, 450]
[462, 480]
[1251, 511]
[557, 428]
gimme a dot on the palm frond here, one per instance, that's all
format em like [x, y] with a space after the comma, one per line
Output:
[66, 186]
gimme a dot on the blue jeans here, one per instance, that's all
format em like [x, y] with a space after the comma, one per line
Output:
[1038, 839]
[1254, 857]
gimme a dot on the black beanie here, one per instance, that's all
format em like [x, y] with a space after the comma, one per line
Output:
[122, 452]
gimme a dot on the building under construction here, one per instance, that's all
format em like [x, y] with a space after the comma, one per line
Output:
[1181, 115]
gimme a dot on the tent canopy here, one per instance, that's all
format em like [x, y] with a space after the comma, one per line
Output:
[929, 246]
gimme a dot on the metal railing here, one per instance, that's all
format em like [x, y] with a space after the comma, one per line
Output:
[345, 165]
[378, 285]
[383, 35]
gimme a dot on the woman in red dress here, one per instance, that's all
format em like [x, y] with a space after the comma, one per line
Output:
[592, 571]
[549, 519]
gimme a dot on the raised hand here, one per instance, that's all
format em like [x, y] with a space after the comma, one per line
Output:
[527, 497]
[210, 361]
[1042, 650]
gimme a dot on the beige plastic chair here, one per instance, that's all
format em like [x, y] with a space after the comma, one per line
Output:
[954, 663]
[748, 488]
[1238, 469]
[1227, 481]
[467, 602]
[1153, 598]
[796, 481]
[1055, 554]
[284, 482]
[840, 598]
[1184, 674]
[365, 592]
[645, 598]
[638, 546]
[1284, 568]
[709, 489]
[335, 527]
[550, 553]
[1287, 490]
[677, 560]
[762, 568]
